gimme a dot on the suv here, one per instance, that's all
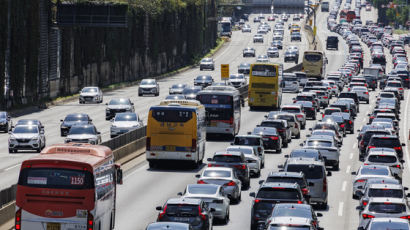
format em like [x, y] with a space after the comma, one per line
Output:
[270, 194]
[386, 141]
[90, 94]
[148, 86]
[234, 160]
[254, 141]
[118, 105]
[315, 174]
[292, 121]
[207, 63]
[282, 127]
[187, 210]
[298, 111]
[332, 42]
[72, 119]
[367, 135]
[26, 137]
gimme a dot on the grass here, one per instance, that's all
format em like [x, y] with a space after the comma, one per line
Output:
[401, 31]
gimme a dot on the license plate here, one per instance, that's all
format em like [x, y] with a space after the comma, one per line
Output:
[53, 226]
[170, 148]
[181, 219]
[265, 139]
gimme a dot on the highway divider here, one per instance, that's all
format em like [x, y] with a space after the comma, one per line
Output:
[122, 146]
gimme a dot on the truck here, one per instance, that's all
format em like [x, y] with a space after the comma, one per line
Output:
[325, 7]
[294, 6]
[371, 75]
[226, 27]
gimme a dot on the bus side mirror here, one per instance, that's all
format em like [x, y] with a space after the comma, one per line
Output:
[118, 172]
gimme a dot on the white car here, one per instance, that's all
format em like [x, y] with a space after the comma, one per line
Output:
[254, 161]
[91, 94]
[148, 86]
[124, 122]
[213, 195]
[26, 137]
[237, 80]
[298, 111]
[367, 172]
[387, 157]
[207, 63]
[362, 93]
[258, 38]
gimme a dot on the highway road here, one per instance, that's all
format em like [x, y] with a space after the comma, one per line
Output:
[144, 189]
[231, 54]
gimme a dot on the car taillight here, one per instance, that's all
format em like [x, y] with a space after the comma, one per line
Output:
[400, 88]
[274, 138]
[350, 122]
[325, 97]
[148, 143]
[17, 219]
[366, 92]
[203, 217]
[281, 130]
[348, 89]
[193, 147]
[259, 149]
[300, 202]
[398, 166]
[405, 217]
[323, 115]
[364, 203]
[367, 216]
[90, 221]
[257, 201]
[299, 116]
[240, 166]
[397, 148]
[371, 147]
[230, 183]
[342, 125]
[305, 191]
[162, 214]
[201, 182]
[360, 181]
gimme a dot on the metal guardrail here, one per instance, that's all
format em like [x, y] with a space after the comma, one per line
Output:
[8, 195]
[126, 138]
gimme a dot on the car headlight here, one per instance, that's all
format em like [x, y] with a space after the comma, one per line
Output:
[92, 141]
[35, 139]
[67, 140]
[107, 110]
[12, 139]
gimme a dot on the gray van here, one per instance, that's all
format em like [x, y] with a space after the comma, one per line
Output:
[316, 176]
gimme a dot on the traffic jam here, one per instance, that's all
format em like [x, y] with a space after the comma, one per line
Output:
[320, 114]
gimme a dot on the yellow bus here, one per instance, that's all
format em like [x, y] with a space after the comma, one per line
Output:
[176, 131]
[264, 90]
[314, 64]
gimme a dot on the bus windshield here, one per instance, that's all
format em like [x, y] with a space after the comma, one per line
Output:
[264, 71]
[57, 178]
[313, 57]
[174, 115]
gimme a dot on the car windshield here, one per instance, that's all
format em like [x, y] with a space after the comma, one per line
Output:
[245, 151]
[147, 82]
[387, 207]
[385, 192]
[291, 110]
[126, 117]
[119, 102]
[382, 159]
[198, 189]
[247, 141]
[291, 180]
[284, 227]
[393, 84]
[244, 65]
[27, 122]
[319, 132]
[385, 142]
[304, 154]
[227, 158]
[310, 171]
[76, 118]
[184, 210]
[292, 211]
[374, 171]
[319, 143]
[2, 115]
[89, 90]
[82, 130]
[216, 173]
[264, 131]
[313, 57]
[179, 86]
[278, 193]
[25, 129]
[388, 225]
[236, 77]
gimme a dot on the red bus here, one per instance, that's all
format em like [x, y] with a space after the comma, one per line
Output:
[68, 186]
[350, 15]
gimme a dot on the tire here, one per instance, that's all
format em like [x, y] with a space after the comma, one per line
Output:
[323, 205]
[226, 219]
[352, 131]
[336, 167]
[367, 102]
[157, 94]
[285, 144]
[139, 94]
[11, 150]
[152, 164]
[257, 175]
[279, 150]
[298, 136]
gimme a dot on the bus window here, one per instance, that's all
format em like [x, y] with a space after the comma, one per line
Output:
[165, 115]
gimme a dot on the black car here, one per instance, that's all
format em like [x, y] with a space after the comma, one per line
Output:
[270, 194]
[348, 118]
[367, 135]
[203, 80]
[352, 95]
[187, 210]
[277, 43]
[332, 42]
[387, 141]
[270, 137]
[308, 108]
[6, 123]
[73, 119]
[282, 127]
[244, 68]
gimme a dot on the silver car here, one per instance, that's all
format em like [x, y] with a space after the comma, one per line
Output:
[207, 63]
[289, 222]
[213, 195]
[387, 223]
[362, 93]
[26, 137]
[366, 172]
[148, 86]
[398, 86]
[273, 52]
[327, 147]
[382, 190]
[258, 38]
[83, 134]
[124, 122]
[292, 121]
[295, 210]
[91, 94]
[168, 226]
[118, 105]
[387, 157]
[225, 177]
[253, 161]
[290, 83]
[237, 80]
[385, 208]
[177, 88]
[298, 111]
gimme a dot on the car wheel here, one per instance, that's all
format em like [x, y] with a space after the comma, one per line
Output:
[298, 136]
[336, 167]
[285, 144]
[139, 94]
[62, 133]
[279, 150]
[11, 150]
[226, 219]
[38, 150]
[157, 94]
[367, 102]
[152, 164]
[323, 205]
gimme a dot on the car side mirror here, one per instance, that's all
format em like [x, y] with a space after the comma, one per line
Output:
[61, 120]
[98, 133]
[358, 130]
[308, 135]
[266, 116]
[158, 208]
[353, 173]
[118, 172]
[310, 129]
[252, 194]
[319, 214]
[402, 161]
[106, 103]
[402, 144]
[286, 156]
[329, 173]
[179, 194]
[249, 133]
[281, 166]
[301, 144]
[8, 117]
[91, 120]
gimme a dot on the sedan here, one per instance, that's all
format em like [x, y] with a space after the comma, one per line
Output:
[386, 223]
[367, 172]
[213, 195]
[224, 177]
[262, 58]
[6, 124]
[203, 81]
[72, 119]
[362, 93]
[191, 92]
[124, 122]
[248, 52]
[277, 44]
[237, 80]
[273, 52]
[177, 88]
[296, 36]
[83, 134]
[258, 38]
[244, 68]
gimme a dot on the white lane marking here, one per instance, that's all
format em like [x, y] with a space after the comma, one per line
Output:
[355, 143]
[348, 169]
[340, 211]
[11, 167]
[344, 184]
[351, 156]
[364, 119]
[405, 135]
